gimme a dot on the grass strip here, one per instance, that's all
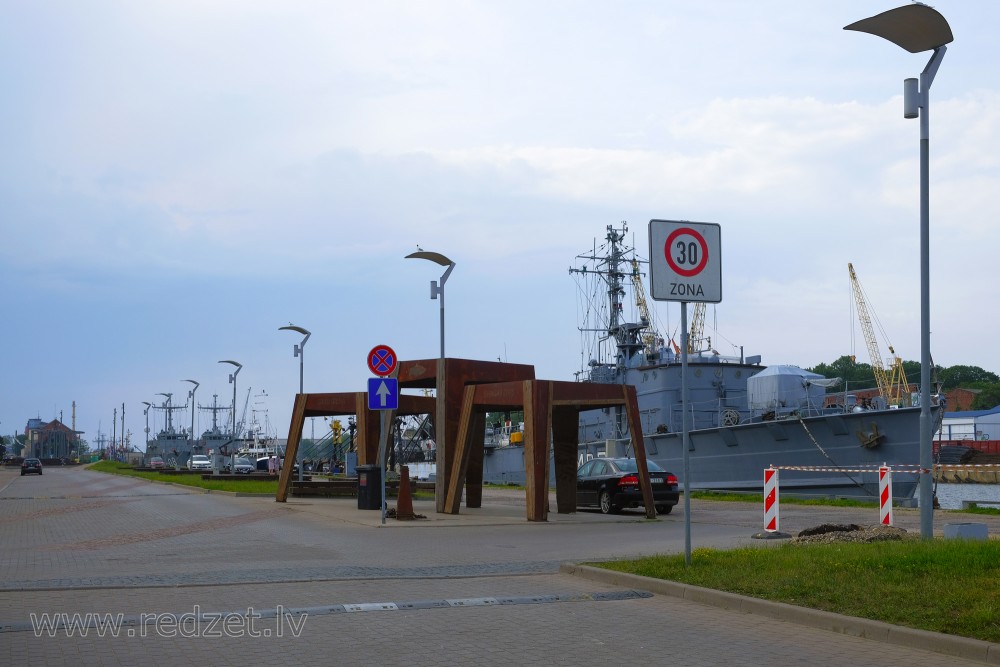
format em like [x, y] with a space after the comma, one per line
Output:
[189, 479]
[949, 586]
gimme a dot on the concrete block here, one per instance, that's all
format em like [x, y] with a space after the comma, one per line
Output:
[966, 531]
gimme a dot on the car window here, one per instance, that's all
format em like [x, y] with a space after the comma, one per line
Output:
[600, 468]
[585, 469]
[626, 465]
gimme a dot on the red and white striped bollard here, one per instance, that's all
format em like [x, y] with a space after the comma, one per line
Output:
[885, 495]
[771, 518]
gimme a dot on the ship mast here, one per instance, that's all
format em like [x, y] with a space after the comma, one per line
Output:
[215, 410]
[609, 267]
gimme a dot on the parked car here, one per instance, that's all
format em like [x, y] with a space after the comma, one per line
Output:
[242, 466]
[29, 466]
[199, 462]
[157, 462]
[612, 484]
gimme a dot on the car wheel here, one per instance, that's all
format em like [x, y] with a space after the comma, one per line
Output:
[664, 509]
[607, 507]
[22, 473]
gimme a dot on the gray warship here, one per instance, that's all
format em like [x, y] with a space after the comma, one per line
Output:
[744, 416]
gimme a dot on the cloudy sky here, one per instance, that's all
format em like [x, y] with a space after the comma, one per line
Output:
[180, 178]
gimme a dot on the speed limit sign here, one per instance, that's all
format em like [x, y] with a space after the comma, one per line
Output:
[685, 262]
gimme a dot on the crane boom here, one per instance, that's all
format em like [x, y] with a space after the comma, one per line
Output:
[893, 389]
[649, 336]
[697, 332]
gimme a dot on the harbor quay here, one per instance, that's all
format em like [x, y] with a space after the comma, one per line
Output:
[108, 570]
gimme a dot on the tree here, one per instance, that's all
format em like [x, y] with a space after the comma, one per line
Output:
[963, 376]
[988, 397]
[853, 374]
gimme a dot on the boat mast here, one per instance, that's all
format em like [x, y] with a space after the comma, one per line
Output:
[627, 335]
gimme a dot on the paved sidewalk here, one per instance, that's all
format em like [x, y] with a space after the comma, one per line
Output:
[319, 581]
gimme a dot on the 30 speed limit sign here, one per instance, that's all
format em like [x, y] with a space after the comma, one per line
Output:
[685, 262]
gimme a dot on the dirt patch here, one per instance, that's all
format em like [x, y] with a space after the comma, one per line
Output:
[828, 533]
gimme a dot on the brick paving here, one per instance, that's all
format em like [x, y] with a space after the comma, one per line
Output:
[80, 542]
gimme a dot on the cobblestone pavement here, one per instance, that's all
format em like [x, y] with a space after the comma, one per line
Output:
[223, 580]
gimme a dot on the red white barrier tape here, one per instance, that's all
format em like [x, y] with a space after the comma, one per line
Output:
[873, 469]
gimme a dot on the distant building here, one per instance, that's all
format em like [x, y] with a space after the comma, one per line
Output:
[52, 440]
[961, 399]
[970, 425]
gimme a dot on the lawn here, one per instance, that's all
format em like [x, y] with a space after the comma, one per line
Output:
[189, 479]
[950, 586]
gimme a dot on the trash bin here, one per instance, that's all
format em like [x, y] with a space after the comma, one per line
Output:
[369, 487]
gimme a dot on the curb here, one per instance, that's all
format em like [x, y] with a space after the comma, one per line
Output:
[959, 647]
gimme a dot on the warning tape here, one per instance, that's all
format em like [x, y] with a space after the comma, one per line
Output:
[872, 469]
[899, 468]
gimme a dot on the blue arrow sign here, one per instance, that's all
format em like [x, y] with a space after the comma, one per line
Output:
[383, 394]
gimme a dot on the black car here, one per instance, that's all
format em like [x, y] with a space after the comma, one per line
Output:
[30, 466]
[612, 484]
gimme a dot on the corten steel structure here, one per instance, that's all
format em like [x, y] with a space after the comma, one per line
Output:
[448, 377]
[465, 390]
[551, 410]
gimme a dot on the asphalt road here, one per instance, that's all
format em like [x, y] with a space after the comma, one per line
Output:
[101, 569]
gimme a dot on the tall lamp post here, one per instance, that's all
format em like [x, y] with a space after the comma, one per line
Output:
[232, 380]
[300, 353]
[146, 414]
[436, 288]
[917, 28]
[191, 396]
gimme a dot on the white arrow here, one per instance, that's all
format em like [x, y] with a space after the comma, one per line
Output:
[382, 392]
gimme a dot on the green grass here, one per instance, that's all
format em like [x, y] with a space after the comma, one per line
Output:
[269, 487]
[189, 479]
[950, 586]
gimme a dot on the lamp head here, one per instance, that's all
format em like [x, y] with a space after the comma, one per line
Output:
[915, 27]
[435, 257]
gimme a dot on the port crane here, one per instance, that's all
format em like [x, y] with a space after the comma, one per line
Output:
[892, 385]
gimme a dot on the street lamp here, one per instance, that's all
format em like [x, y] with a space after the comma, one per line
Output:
[232, 380]
[146, 414]
[299, 349]
[300, 353]
[436, 289]
[917, 28]
[191, 396]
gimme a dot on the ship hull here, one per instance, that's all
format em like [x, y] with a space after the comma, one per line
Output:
[828, 447]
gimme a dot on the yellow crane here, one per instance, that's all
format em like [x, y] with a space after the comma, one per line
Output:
[648, 338]
[697, 333]
[894, 389]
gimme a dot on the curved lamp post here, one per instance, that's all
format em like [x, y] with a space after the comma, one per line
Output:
[436, 289]
[917, 28]
[232, 380]
[300, 353]
[191, 396]
[299, 349]
[146, 414]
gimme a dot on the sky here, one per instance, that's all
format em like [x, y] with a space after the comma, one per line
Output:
[179, 179]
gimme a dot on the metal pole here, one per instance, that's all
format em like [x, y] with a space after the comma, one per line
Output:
[685, 433]
[442, 319]
[926, 499]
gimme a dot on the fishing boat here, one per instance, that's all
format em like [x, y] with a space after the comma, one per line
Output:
[744, 416]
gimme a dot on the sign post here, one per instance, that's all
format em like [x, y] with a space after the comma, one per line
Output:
[383, 394]
[685, 265]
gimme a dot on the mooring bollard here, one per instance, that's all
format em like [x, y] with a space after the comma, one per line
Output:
[885, 495]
